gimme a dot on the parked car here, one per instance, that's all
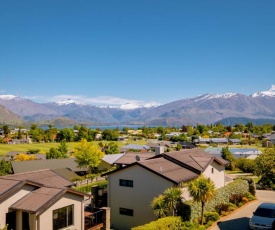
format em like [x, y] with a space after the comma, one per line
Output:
[263, 217]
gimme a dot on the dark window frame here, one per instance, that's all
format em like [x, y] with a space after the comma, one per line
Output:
[126, 183]
[63, 217]
[126, 211]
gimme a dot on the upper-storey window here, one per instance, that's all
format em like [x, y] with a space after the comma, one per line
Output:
[126, 183]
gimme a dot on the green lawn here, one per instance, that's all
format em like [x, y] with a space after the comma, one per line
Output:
[44, 147]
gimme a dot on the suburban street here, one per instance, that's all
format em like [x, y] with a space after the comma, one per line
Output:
[239, 219]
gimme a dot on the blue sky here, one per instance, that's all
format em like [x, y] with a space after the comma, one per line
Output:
[136, 51]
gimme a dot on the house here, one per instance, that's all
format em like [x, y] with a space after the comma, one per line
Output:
[154, 145]
[108, 161]
[134, 147]
[131, 157]
[19, 141]
[187, 145]
[218, 141]
[28, 166]
[173, 134]
[234, 141]
[143, 180]
[40, 200]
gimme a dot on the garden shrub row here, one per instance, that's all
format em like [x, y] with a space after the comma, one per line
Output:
[235, 188]
[170, 223]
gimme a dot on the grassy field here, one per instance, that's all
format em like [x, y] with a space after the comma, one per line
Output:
[44, 147]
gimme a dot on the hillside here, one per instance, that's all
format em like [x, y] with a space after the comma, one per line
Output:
[6, 116]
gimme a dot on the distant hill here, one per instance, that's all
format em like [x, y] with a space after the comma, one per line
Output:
[230, 108]
[244, 120]
[6, 116]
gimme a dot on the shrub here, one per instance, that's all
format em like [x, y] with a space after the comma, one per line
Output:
[249, 196]
[235, 198]
[211, 216]
[238, 186]
[167, 223]
[245, 200]
[221, 208]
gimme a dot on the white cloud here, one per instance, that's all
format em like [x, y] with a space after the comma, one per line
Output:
[101, 100]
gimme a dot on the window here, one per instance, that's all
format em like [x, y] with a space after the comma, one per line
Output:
[63, 217]
[126, 211]
[126, 183]
[212, 170]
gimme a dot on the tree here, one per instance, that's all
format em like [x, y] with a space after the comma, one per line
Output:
[109, 148]
[5, 167]
[110, 135]
[246, 165]
[87, 155]
[227, 155]
[65, 134]
[63, 149]
[265, 168]
[172, 197]
[159, 206]
[53, 154]
[201, 190]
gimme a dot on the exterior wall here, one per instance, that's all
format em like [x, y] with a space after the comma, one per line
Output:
[104, 165]
[45, 220]
[146, 186]
[4, 205]
[218, 175]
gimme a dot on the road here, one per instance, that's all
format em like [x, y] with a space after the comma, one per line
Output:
[239, 220]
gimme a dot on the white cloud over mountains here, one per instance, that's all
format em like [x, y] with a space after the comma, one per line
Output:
[99, 101]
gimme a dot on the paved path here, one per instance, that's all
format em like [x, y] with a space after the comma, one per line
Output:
[239, 219]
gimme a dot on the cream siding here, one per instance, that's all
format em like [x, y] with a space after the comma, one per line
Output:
[46, 218]
[4, 205]
[218, 174]
[146, 186]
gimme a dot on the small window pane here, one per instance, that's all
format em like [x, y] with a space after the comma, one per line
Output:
[126, 211]
[126, 183]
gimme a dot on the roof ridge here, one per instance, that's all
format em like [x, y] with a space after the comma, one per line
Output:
[187, 166]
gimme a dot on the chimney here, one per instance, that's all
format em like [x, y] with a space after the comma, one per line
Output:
[159, 150]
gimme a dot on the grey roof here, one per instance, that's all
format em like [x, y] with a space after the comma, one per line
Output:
[219, 140]
[135, 147]
[111, 158]
[129, 158]
[66, 173]
[235, 140]
[157, 144]
[27, 166]
[45, 177]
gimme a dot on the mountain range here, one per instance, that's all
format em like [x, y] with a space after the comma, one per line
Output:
[228, 108]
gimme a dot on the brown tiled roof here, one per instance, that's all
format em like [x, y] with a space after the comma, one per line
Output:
[169, 170]
[39, 200]
[46, 177]
[178, 166]
[8, 186]
[129, 158]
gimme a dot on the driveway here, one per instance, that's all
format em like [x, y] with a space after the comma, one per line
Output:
[239, 219]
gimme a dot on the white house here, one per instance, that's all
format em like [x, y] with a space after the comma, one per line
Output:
[40, 200]
[132, 188]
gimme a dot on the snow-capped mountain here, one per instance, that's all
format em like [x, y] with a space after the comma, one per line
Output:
[268, 93]
[69, 101]
[8, 97]
[215, 96]
[204, 109]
